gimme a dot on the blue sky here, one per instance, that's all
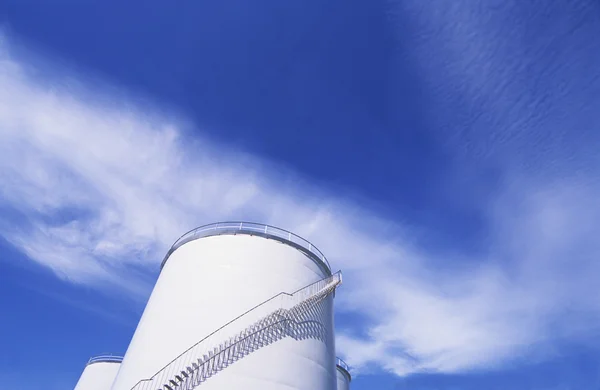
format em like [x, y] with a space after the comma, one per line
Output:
[443, 154]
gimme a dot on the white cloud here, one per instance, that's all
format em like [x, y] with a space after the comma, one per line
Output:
[132, 182]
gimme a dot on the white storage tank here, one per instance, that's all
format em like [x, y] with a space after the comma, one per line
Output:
[237, 306]
[343, 375]
[99, 373]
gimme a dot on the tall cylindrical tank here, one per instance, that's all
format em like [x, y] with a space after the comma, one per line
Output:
[99, 373]
[343, 375]
[214, 274]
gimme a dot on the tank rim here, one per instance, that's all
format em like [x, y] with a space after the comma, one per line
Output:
[252, 229]
[343, 367]
[345, 371]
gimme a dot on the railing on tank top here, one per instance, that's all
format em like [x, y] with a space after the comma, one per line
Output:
[226, 336]
[219, 228]
[343, 364]
[105, 359]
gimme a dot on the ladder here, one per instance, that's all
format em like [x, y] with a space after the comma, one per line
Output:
[290, 315]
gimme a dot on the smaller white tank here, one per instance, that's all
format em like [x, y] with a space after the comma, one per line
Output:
[343, 376]
[99, 373]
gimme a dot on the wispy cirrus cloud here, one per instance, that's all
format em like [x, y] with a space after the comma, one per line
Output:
[102, 186]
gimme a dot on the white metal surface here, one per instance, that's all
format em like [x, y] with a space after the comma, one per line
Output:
[209, 281]
[289, 315]
[343, 377]
[99, 374]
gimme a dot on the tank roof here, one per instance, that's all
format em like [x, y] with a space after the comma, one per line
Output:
[252, 229]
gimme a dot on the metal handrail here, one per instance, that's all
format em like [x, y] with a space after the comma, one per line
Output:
[301, 293]
[252, 228]
[105, 359]
[342, 364]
